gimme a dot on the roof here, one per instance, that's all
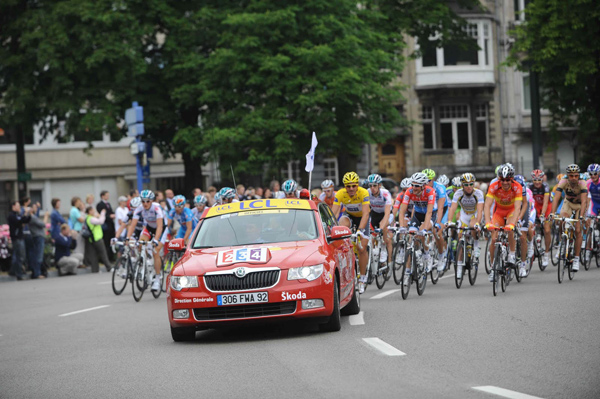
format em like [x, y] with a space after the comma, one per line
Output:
[261, 204]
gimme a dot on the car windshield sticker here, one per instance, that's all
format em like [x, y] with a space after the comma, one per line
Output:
[261, 204]
[243, 255]
[250, 213]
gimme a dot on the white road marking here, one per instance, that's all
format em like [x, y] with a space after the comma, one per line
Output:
[383, 347]
[83, 310]
[505, 392]
[105, 282]
[384, 294]
[357, 319]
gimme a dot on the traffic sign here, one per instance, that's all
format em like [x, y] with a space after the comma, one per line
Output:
[135, 130]
[134, 115]
[24, 176]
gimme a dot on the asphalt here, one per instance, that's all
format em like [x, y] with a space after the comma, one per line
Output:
[539, 338]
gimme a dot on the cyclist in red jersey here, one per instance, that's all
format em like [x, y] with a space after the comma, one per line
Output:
[507, 195]
[543, 207]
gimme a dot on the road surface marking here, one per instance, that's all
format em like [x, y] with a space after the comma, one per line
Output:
[384, 294]
[357, 319]
[505, 392]
[383, 347]
[105, 282]
[81, 311]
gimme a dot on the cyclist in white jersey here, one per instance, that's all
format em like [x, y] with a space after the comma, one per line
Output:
[380, 201]
[200, 203]
[471, 201]
[153, 216]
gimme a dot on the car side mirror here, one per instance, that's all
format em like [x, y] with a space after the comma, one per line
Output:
[176, 245]
[340, 233]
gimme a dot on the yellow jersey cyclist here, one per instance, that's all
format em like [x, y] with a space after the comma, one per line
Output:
[575, 200]
[380, 201]
[355, 199]
[470, 200]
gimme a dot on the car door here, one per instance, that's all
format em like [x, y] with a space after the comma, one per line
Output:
[341, 251]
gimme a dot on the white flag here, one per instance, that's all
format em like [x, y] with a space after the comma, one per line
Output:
[310, 157]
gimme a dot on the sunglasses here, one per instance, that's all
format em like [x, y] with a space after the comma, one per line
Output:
[146, 201]
[468, 184]
[537, 180]
[330, 190]
[593, 174]
[574, 175]
[352, 186]
[373, 185]
[179, 206]
[506, 180]
[417, 185]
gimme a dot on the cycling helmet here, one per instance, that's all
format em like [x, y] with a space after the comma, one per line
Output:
[227, 193]
[560, 177]
[218, 199]
[467, 178]
[573, 168]
[593, 168]
[350, 178]
[304, 194]
[179, 200]
[429, 173]
[364, 183]
[537, 174]
[374, 179]
[507, 171]
[326, 184]
[147, 194]
[289, 186]
[584, 176]
[419, 179]
[520, 179]
[497, 171]
[443, 179]
[405, 183]
[200, 199]
[135, 202]
[456, 181]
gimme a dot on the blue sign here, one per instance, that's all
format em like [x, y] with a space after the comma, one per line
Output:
[134, 115]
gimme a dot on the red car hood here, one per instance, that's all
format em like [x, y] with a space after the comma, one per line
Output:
[283, 255]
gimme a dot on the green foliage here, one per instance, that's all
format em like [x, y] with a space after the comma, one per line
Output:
[560, 40]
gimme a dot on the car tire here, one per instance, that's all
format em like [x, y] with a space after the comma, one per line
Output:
[183, 334]
[335, 322]
[353, 307]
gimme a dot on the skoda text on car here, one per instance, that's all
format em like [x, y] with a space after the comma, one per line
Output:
[263, 260]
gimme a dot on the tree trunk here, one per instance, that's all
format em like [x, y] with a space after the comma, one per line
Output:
[193, 174]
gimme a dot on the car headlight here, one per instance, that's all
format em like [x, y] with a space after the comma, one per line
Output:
[180, 282]
[309, 273]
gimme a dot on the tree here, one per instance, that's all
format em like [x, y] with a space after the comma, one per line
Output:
[559, 40]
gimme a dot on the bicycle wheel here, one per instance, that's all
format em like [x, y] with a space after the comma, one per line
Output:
[473, 268]
[398, 262]
[554, 246]
[460, 253]
[504, 280]
[496, 267]
[380, 277]
[119, 276]
[569, 266]
[435, 275]
[488, 260]
[587, 252]
[369, 265]
[561, 260]
[405, 288]
[421, 280]
[138, 281]
[157, 293]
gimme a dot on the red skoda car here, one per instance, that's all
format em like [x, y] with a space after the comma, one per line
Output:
[263, 259]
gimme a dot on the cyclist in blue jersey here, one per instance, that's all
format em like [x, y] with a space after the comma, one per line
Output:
[441, 203]
[184, 217]
[593, 186]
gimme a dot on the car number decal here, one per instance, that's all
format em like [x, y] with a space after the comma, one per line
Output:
[243, 255]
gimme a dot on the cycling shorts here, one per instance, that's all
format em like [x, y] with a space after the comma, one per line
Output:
[152, 232]
[525, 218]
[569, 207]
[445, 217]
[418, 218]
[466, 218]
[355, 221]
[538, 210]
[500, 215]
[377, 217]
[530, 220]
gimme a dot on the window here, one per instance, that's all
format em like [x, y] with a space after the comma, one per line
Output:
[428, 130]
[330, 168]
[292, 171]
[388, 149]
[456, 56]
[481, 113]
[454, 127]
[520, 9]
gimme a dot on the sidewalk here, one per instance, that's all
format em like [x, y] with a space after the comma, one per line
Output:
[52, 273]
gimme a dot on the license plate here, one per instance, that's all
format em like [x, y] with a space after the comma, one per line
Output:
[242, 299]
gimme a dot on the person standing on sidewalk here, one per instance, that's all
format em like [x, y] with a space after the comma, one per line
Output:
[94, 246]
[15, 223]
[108, 228]
[37, 227]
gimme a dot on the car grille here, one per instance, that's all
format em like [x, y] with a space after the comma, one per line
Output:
[251, 281]
[245, 311]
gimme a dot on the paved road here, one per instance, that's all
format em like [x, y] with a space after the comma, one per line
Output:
[539, 338]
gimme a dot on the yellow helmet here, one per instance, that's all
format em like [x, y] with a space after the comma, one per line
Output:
[350, 178]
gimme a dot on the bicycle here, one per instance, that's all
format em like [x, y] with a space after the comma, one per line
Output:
[398, 252]
[144, 271]
[555, 242]
[500, 268]
[538, 250]
[375, 270]
[451, 242]
[566, 248]
[414, 257]
[592, 243]
[123, 270]
[464, 249]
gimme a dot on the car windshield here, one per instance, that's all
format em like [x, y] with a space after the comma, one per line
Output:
[256, 227]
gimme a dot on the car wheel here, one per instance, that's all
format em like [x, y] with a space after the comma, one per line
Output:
[335, 322]
[353, 307]
[182, 334]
